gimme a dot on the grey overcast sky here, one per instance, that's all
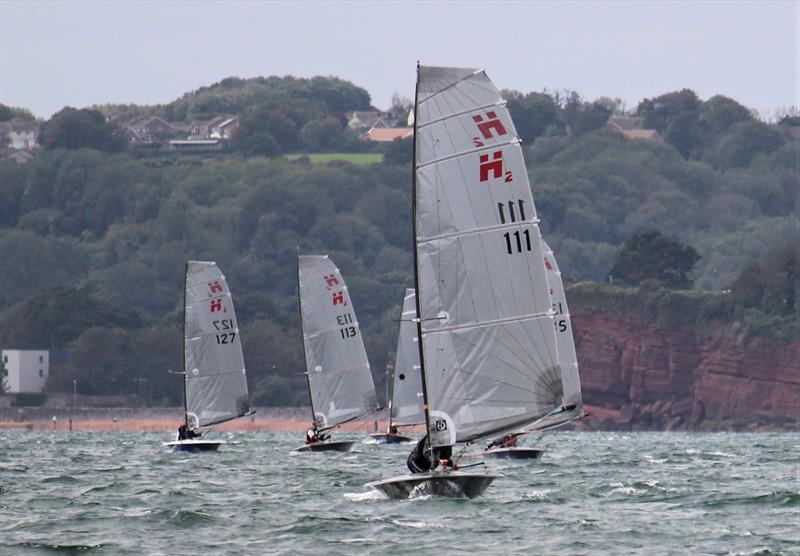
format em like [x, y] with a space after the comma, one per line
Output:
[80, 53]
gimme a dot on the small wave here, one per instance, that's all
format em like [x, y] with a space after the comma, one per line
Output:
[365, 496]
[416, 524]
[69, 548]
[183, 518]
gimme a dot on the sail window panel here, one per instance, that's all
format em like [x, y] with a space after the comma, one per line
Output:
[565, 341]
[478, 128]
[407, 376]
[216, 399]
[466, 193]
[491, 379]
[457, 94]
[433, 79]
[470, 279]
[205, 357]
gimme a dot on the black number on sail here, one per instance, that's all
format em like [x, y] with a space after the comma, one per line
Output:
[517, 241]
[348, 332]
[226, 338]
[511, 210]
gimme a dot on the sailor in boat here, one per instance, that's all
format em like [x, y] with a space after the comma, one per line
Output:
[419, 459]
[312, 436]
[508, 441]
[185, 433]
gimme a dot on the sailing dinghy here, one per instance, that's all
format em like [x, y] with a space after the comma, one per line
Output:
[339, 379]
[567, 360]
[487, 342]
[215, 381]
[405, 399]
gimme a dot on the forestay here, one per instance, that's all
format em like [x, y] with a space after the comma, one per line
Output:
[406, 401]
[490, 363]
[216, 383]
[338, 371]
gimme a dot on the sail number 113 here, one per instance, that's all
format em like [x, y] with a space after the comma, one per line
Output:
[343, 321]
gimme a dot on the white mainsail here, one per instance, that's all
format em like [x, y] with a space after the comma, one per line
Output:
[405, 407]
[490, 361]
[339, 377]
[215, 377]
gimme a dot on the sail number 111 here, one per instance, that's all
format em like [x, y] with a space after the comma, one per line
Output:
[517, 242]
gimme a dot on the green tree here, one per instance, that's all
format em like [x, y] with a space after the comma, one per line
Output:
[676, 116]
[534, 115]
[648, 255]
[77, 129]
[743, 143]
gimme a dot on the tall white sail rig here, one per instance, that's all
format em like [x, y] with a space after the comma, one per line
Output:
[215, 379]
[488, 347]
[339, 378]
[405, 405]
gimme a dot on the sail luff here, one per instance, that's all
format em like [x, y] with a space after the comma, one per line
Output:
[487, 344]
[302, 340]
[185, 282]
[414, 216]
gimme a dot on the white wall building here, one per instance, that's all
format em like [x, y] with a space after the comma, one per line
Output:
[25, 370]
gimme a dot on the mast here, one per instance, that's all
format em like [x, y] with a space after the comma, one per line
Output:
[303, 342]
[185, 401]
[389, 376]
[416, 264]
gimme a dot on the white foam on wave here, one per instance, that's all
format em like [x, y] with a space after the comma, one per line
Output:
[365, 496]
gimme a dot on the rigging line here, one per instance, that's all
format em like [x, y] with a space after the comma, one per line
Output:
[472, 231]
[199, 377]
[456, 114]
[476, 150]
[490, 323]
[455, 83]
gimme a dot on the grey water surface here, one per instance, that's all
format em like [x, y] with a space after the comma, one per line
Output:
[592, 493]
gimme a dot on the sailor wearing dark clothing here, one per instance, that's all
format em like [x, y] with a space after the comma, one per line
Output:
[419, 459]
[185, 433]
[313, 436]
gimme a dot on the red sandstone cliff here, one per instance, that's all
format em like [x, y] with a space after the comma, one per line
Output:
[645, 377]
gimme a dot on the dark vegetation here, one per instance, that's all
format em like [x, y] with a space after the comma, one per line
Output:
[93, 239]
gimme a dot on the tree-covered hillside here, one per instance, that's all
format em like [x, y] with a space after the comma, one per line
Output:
[92, 243]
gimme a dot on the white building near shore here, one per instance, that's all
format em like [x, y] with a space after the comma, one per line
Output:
[26, 370]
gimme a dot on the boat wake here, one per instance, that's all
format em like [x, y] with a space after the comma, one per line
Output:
[366, 496]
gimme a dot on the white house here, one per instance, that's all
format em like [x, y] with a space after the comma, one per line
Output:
[26, 370]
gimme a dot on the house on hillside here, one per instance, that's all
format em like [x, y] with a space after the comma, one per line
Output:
[150, 128]
[387, 134]
[20, 134]
[201, 129]
[631, 127]
[224, 130]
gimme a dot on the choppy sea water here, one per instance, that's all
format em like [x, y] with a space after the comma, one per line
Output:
[592, 493]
